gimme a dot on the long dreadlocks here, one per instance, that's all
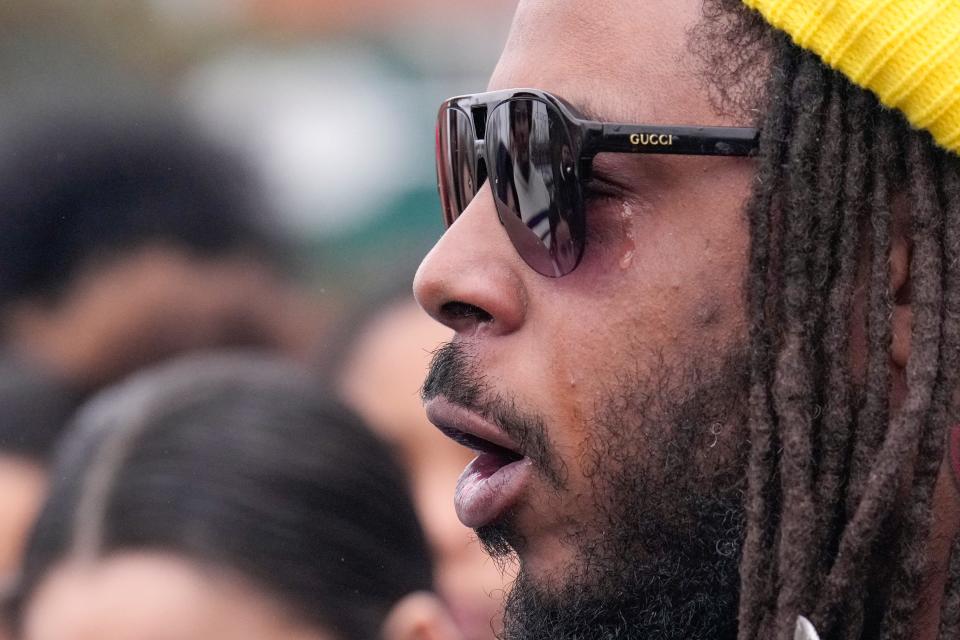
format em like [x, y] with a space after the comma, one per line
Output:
[840, 487]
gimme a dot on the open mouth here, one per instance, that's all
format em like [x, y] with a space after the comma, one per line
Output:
[483, 447]
[495, 479]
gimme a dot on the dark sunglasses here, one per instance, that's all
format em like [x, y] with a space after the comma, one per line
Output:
[537, 153]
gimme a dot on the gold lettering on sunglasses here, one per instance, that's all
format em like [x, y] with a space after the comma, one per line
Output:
[651, 139]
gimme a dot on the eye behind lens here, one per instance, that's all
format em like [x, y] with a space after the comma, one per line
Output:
[536, 183]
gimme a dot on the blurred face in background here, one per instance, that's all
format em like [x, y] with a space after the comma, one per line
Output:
[381, 381]
[220, 497]
[154, 302]
[152, 596]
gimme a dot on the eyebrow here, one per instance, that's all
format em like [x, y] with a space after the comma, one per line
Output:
[584, 104]
[587, 111]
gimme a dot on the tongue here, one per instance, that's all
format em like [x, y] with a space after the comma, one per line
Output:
[488, 487]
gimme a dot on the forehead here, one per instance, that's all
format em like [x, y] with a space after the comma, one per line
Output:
[623, 60]
[152, 595]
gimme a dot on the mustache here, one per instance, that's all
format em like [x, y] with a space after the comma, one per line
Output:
[454, 376]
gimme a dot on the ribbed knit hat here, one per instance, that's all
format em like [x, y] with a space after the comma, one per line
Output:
[907, 52]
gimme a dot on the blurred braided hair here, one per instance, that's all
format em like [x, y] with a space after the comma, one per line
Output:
[839, 488]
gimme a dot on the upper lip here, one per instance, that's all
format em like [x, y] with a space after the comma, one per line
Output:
[469, 428]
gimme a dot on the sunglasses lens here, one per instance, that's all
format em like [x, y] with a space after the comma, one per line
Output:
[536, 187]
[456, 162]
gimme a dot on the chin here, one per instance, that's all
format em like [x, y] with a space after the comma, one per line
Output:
[542, 556]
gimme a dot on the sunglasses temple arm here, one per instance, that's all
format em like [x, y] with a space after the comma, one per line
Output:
[694, 141]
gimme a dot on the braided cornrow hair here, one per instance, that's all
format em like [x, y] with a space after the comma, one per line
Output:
[840, 488]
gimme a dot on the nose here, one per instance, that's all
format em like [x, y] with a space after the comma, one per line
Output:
[471, 280]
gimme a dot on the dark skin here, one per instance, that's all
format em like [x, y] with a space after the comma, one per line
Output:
[663, 273]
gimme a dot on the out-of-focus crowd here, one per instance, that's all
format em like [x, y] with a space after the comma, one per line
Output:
[196, 440]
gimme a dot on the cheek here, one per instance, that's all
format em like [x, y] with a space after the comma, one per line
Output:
[668, 287]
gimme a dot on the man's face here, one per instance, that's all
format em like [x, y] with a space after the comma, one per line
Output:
[622, 384]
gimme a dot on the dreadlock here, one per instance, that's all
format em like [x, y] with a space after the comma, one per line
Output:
[839, 487]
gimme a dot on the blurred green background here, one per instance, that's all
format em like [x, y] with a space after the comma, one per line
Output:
[332, 103]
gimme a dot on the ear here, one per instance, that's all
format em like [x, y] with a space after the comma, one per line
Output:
[420, 616]
[901, 251]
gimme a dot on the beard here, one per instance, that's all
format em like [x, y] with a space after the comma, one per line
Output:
[658, 558]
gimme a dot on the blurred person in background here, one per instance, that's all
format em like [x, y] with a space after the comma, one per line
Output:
[381, 361]
[34, 410]
[220, 497]
[126, 238]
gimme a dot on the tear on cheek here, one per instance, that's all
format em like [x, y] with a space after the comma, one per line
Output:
[627, 245]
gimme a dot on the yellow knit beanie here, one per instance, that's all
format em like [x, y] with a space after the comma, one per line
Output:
[906, 51]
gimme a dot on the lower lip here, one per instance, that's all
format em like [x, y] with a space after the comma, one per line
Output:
[487, 488]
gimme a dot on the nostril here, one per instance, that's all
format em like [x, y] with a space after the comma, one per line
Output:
[459, 311]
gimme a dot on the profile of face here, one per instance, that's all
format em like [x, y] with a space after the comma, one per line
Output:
[608, 404]
[380, 381]
[158, 596]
